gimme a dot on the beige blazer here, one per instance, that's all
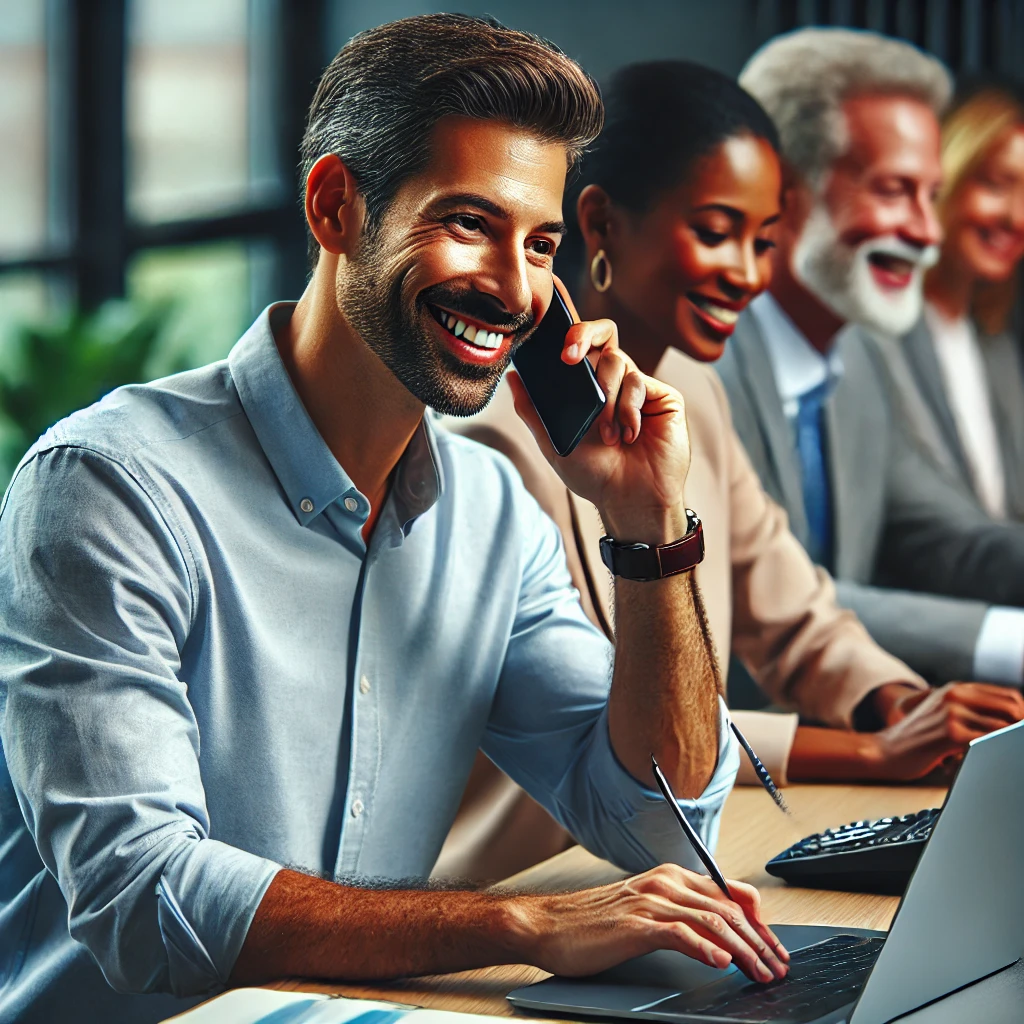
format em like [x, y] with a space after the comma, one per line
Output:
[764, 599]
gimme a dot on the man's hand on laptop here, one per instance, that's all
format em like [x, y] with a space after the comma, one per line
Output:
[668, 907]
[929, 727]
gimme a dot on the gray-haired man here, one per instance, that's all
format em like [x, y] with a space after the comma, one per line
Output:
[856, 114]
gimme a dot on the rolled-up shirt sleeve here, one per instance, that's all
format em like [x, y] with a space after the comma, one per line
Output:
[96, 601]
[549, 723]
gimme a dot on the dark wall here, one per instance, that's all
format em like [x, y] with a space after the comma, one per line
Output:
[969, 35]
[601, 34]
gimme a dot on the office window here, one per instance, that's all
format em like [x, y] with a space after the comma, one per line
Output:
[187, 112]
[23, 126]
[213, 293]
[24, 298]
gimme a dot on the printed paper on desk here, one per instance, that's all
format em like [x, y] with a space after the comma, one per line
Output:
[265, 1006]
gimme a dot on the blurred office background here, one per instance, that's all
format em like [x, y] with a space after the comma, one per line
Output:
[148, 149]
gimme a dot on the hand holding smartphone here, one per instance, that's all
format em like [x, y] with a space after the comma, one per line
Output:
[567, 398]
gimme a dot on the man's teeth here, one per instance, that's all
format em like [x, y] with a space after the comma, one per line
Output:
[720, 313]
[476, 335]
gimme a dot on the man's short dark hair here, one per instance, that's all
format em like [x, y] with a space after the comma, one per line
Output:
[379, 99]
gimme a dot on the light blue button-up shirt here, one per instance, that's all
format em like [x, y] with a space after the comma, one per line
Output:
[206, 674]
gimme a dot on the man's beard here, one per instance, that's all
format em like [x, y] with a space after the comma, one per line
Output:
[394, 327]
[840, 276]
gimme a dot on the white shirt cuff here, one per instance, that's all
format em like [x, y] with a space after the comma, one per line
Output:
[999, 649]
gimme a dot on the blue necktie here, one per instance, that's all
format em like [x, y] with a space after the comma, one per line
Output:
[817, 492]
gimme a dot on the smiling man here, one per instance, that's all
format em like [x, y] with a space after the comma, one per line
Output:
[925, 569]
[258, 618]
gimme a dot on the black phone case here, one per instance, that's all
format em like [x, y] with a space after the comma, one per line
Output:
[567, 398]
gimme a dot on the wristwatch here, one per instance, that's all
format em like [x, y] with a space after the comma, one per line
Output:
[643, 563]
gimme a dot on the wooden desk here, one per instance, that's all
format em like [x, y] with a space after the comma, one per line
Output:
[753, 831]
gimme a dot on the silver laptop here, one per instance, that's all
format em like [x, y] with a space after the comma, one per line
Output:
[961, 918]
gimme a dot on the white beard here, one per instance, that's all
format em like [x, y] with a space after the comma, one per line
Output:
[841, 278]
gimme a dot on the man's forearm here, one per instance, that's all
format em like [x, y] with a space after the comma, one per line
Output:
[308, 927]
[664, 697]
[305, 927]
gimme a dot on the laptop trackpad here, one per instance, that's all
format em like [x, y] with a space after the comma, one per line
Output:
[666, 969]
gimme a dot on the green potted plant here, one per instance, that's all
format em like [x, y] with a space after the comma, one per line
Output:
[52, 369]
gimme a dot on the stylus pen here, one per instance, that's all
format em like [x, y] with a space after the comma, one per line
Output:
[762, 773]
[691, 833]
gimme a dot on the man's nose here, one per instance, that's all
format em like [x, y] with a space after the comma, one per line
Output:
[923, 227]
[506, 280]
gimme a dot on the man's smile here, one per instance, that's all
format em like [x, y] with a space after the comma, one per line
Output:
[473, 331]
[891, 271]
[471, 340]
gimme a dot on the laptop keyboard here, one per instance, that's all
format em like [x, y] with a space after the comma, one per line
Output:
[822, 978]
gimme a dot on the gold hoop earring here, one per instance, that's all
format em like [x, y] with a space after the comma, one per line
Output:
[601, 271]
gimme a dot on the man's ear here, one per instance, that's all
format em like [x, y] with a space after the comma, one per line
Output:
[335, 209]
[797, 198]
[594, 215]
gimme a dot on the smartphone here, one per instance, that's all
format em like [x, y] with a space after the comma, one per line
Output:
[567, 398]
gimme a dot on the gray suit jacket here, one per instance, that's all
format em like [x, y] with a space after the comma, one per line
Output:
[915, 555]
[933, 417]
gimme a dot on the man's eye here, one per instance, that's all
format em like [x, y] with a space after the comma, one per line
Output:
[466, 221]
[543, 246]
[763, 245]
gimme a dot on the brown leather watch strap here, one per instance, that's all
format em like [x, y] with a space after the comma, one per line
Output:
[644, 563]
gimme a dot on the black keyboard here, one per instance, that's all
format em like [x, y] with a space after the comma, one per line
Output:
[824, 977]
[864, 856]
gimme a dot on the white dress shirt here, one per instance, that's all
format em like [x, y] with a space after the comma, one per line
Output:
[797, 367]
[965, 381]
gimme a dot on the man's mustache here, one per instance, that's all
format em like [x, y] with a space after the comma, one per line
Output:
[477, 306]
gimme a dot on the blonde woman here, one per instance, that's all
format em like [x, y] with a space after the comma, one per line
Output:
[963, 360]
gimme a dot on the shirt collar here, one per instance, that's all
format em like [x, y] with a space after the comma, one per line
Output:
[419, 479]
[797, 365]
[944, 329]
[309, 474]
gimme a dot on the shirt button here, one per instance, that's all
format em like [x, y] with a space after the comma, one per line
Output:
[364, 685]
[357, 807]
[351, 504]
[306, 505]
